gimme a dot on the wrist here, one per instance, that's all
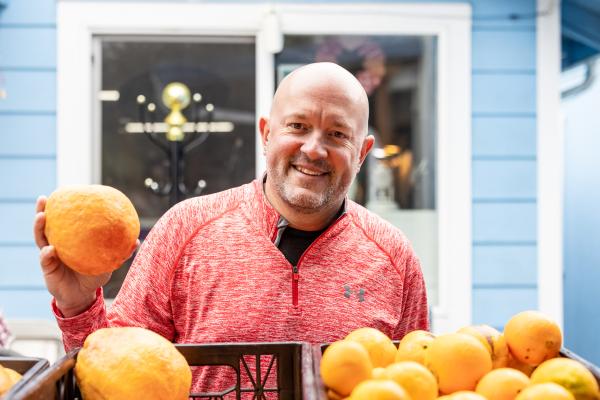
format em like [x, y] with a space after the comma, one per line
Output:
[72, 308]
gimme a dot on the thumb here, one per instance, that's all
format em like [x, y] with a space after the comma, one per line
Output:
[48, 259]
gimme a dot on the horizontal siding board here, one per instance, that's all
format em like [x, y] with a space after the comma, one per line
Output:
[27, 135]
[504, 222]
[504, 265]
[29, 91]
[504, 50]
[504, 93]
[19, 266]
[27, 47]
[27, 179]
[29, 12]
[494, 13]
[512, 179]
[496, 306]
[504, 136]
[26, 303]
[18, 218]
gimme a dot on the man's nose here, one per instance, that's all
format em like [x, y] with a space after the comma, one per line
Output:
[313, 146]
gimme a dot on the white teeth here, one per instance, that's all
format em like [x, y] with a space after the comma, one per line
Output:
[308, 171]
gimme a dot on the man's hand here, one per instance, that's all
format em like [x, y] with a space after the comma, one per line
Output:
[74, 292]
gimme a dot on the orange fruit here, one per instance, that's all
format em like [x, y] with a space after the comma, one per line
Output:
[412, 347]
[380, 347]
[332, 395]
[8, 377]
[545, 391]
[458, 361]
[378, 373]
[122, 363]
[417, 380]
[518, 365]
[570, 374]
[502, 384]
[93, 228]
[466, 395]
[344, 365]
[492, 340]
[532, 337]
[379, 390]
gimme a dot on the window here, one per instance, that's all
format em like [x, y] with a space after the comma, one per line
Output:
[397, 180]
[221, 70]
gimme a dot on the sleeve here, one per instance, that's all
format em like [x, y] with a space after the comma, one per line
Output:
[144, 300]
[415, 314]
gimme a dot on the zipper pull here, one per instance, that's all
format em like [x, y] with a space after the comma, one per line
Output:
[295, 279]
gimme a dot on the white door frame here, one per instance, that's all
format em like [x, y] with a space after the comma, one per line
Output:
[451, 23]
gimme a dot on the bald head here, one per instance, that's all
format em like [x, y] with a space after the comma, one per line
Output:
[332, 79]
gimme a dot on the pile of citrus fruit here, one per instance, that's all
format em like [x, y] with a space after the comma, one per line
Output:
[474, 363]
[8, 377]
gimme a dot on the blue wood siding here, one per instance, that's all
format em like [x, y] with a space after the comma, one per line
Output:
[504, 161]
[27, 148]
[504, 158]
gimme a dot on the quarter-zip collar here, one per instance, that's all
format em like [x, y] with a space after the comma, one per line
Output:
[272, 223]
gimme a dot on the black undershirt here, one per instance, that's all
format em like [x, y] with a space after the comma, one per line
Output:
[294, 242]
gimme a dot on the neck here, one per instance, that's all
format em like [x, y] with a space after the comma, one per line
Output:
[303, 221]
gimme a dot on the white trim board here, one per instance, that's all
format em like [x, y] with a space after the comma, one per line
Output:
[451, 23]
[550, 156]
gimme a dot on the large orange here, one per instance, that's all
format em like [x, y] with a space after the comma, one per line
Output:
[413, 346]
[417, 380]
[344, 365]
[502, 384]
[131, 363]
[532, 337]
[93, 228]
[545, 391]
[570, 374]
[380, 347]
[458, 361]
[379, 390]
[492, 340]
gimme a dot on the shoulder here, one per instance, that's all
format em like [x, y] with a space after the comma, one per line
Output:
[190, 215]
[388, 238]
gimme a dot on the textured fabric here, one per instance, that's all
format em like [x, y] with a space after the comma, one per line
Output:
[209, 272]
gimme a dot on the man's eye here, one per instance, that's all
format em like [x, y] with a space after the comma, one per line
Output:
[296, 125]
[339, 135]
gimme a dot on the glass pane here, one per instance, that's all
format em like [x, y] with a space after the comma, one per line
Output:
[222, 71]
[398, 178]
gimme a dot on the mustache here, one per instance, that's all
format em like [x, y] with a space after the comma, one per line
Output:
[322, 165]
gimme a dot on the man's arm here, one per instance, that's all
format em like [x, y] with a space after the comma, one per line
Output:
[144, 299]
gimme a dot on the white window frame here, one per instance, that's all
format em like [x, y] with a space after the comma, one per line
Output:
[451, 23]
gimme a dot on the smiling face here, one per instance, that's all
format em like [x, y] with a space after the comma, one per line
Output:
[315, 140]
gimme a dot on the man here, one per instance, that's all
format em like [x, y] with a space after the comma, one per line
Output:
[288, 258]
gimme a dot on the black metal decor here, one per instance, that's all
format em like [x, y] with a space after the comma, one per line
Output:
[180, 137]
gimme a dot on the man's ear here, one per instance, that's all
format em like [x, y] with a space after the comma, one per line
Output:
[263, 126]
[366, 148]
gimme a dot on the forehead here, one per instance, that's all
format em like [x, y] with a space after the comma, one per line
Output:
[325, 101]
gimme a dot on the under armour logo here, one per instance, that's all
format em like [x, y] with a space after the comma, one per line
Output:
[348, 293]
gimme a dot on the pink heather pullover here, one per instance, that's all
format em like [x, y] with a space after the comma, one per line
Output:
[209, 272]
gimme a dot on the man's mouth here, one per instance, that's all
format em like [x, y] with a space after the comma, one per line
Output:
[309, 171]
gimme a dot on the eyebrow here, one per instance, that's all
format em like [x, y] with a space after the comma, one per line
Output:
[302, 116]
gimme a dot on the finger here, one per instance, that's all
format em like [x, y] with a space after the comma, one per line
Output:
[49, 259]
[40, 204]
[39, 224]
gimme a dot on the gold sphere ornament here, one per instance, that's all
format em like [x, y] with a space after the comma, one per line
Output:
[176, 95]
